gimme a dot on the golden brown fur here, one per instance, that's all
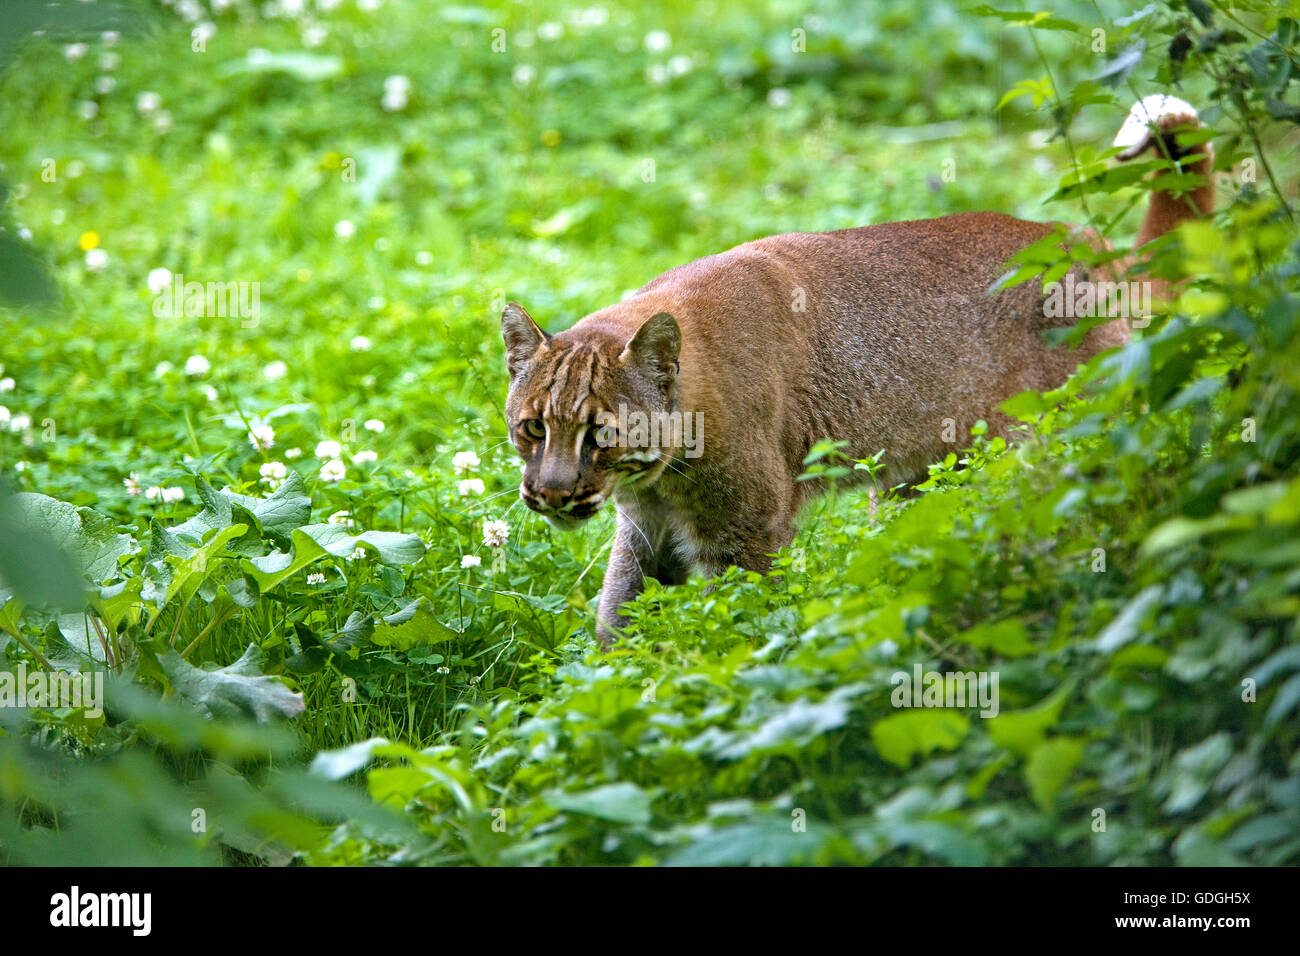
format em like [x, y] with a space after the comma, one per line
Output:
[884, 337]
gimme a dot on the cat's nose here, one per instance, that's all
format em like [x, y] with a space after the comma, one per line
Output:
[555, 497]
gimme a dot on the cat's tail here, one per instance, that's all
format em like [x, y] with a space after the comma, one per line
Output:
[1155, 121]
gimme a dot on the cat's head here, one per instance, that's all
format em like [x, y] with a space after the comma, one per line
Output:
[575, 399]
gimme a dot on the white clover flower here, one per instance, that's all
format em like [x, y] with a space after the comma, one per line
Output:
[656, 41]
[359, 343]
[464, 461]
[393, 101]
[470, 561]
[197, 365]
[75, 51]
[368, 6]
[444, 669]
[397, 82]
[162, 369]
[345, 228]
[376, 301]
[24, 234]
[343, 518]
[365, 457]
[163, 121]
[470, 487]
[209, 392]
[159, 279]
[656, 74]
[327, 5]
[109, 61]
[328, 449]
[680, 65]
[110, 37]
[96, 260]
[333, 470]
[262, 437]
[20, 423]
[314, 35]
[273, 473]
[550, 30]
[172, 495]
[373, 425]
[104, 85]
[495, 533]
[4, 415]
[292, 453]
[316, 577]
[367, 381]
[424, 258]
[275, 371]
[6, 384]
[147, 102]
[523, 75]
[779, 98]
[132, 483]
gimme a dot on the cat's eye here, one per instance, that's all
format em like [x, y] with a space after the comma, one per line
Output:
[533, 428]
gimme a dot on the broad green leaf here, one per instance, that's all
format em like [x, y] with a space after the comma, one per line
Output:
[91, 540]
[1049, 767]
[391, 547]
[413, 625]
[902, 736]
[1023, 730]
[615, 802]
[240, 690]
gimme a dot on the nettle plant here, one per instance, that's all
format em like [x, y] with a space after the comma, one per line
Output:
[153, 606]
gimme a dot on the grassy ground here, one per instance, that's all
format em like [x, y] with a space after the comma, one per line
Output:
[519, 175]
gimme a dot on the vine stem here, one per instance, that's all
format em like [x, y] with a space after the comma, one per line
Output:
[28, 646]
[218, 619]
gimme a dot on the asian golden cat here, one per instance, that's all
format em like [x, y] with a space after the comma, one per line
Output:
[884, 337]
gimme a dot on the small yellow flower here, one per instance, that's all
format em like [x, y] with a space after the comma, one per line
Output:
[551, 137]
[88, 241]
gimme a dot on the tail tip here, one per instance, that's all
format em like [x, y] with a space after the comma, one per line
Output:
[1148, 114]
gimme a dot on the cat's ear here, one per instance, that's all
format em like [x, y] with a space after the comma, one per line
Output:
[522, 336]
[655, 347]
